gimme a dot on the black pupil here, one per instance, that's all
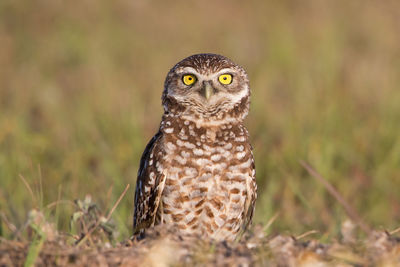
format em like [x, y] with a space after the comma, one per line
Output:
[190, 78]
[225, 78]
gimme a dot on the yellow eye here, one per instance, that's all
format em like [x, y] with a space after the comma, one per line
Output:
[189, 79]
[225, 79]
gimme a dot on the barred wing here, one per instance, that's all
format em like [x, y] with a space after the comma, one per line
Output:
[149, 185]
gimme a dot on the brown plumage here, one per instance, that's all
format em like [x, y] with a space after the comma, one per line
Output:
[198, 172]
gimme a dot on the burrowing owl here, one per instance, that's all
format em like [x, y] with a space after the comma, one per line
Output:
[197, 172]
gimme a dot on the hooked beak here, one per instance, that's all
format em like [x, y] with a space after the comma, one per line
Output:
[207, 90]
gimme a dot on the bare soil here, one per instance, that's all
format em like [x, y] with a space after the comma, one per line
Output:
[164, 247]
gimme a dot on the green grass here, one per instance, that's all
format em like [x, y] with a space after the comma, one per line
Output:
[80, 89]
[35, 246]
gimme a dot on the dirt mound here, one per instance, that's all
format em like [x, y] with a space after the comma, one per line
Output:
[165, 247]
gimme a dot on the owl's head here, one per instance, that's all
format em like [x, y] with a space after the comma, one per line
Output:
[207, 87]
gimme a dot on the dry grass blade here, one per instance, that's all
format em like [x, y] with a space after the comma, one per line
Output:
[395, 231]
[107, 218]
[306, 234]
[332, 190]
[270, 221]
[29, 189]
[117, 203]
[61, 201]
[40, 185]
[9, 225]
[88, 233]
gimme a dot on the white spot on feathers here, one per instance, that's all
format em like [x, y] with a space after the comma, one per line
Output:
[240, 148]
[240, 155]
[170, 146]
[168, 130]
[198, 152]
[215, 157]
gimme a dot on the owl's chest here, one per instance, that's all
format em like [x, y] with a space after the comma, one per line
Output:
[206, 180]
[209, 159]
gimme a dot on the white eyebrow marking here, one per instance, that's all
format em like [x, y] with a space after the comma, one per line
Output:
[200, 76]
[188, 70]
[225, 70]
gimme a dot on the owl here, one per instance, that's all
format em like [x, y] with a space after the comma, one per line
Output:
[197, 173]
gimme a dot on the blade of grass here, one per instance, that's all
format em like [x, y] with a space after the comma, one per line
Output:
[394, 231]
[29, 190]
[40, 186]
[61, 201]
[306, 234]
[332, 190]
[35, 247]
[57, 212]
[9, 225]
[271, 221]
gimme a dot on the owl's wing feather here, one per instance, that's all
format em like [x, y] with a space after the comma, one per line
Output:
[149, 185]
[251, 197]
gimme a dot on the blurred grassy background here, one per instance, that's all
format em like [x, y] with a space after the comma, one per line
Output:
[80, 87]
